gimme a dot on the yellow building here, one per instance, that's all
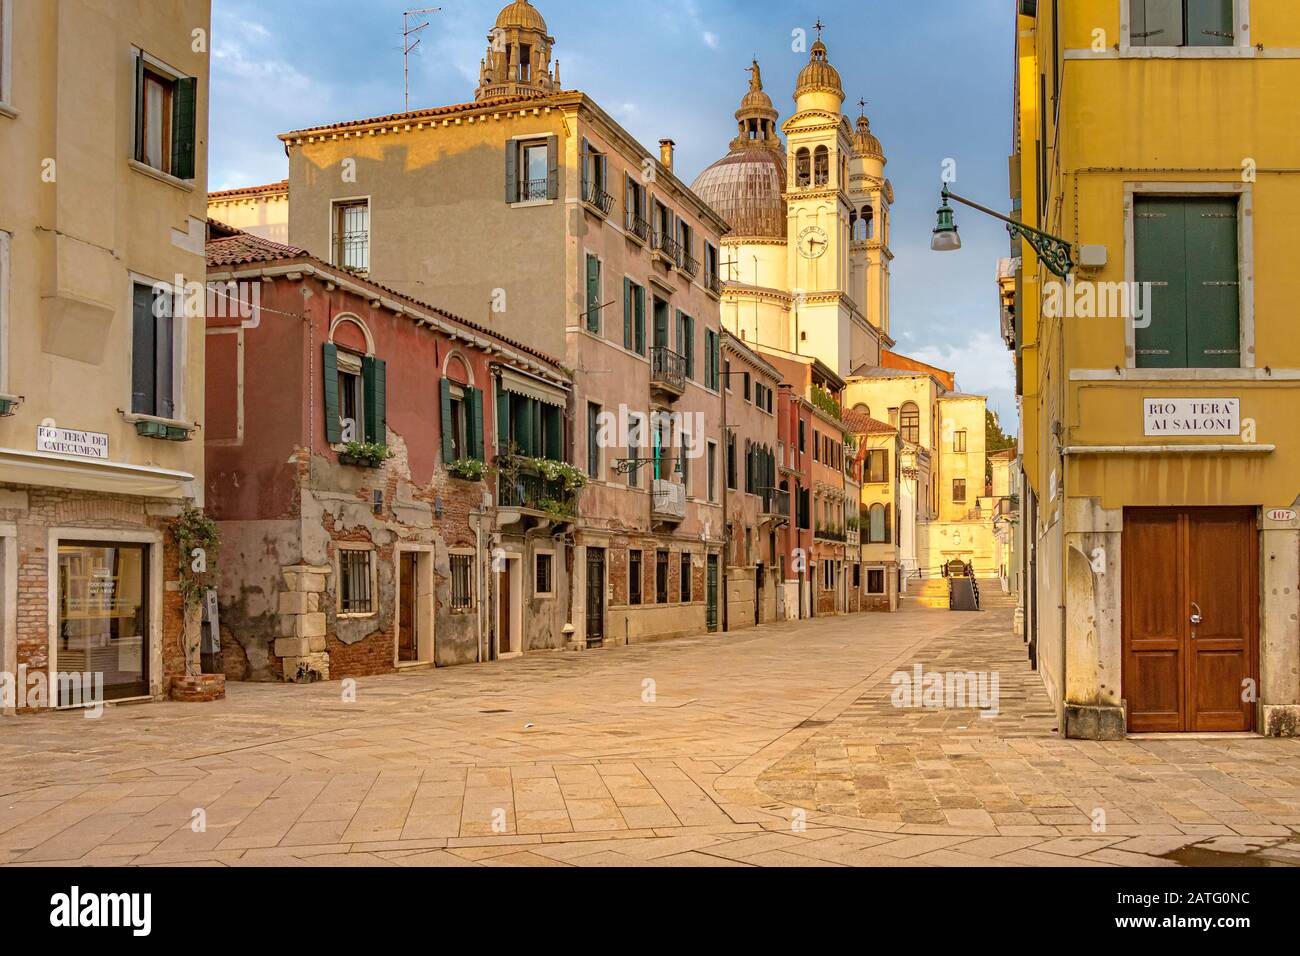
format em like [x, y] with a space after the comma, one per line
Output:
[103, 120]
[260, 210]
[1161, 387]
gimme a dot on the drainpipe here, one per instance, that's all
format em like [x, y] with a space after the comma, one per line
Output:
[478, 582]
[725, 379]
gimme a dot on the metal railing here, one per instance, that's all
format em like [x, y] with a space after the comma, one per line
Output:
[667, 368]
[638, 227]
[830, 534]
[531, 190]
[713, 283]
[526, 489]
[688, 264]
[597, 198]
[776, 502]
[666, 245]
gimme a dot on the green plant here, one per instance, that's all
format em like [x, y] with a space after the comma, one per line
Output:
[371, 453]
[198, 540]
[469, 469]
[852, 524]
[557, 510]
[825, 401]
[561, 471]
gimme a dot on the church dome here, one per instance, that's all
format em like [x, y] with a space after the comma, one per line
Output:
[818, 75]
[746, 188]
[522, 15]
[865, 142]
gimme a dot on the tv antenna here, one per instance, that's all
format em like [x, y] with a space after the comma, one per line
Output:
[408, 47]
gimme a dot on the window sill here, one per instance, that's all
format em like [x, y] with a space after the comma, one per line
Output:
[185, 185]
[7, 110]
[528, 203]
[357, 617]
[163, 429]
[1186, 52]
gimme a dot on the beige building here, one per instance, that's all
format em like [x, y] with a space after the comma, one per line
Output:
[260, 210]
[103, 119]
[531, 211]
[879, 524]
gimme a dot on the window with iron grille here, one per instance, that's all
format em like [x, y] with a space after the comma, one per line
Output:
[544, 584]
[686, 577]
[352, 235]
[356, 593]
[661, 577]
[462, 582]
[875, 580]
[634, 577]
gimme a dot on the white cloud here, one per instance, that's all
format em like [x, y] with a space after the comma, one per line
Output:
[710, 39]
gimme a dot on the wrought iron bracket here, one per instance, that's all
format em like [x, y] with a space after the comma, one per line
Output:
[1056, 254]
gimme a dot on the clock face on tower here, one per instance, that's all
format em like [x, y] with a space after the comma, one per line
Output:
[812, 242]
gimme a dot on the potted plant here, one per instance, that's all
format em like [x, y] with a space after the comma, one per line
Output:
[468, 469]
[365, 454]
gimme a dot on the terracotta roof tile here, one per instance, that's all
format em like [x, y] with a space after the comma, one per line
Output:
[417, 115]
[281, 186]
[243, 248]
[860, 423]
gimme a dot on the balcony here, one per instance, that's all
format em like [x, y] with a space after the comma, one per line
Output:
[668, 501]
[637, 228]
[524, 493]
[713, 283]
[665, 249]
[596, 198]
[853, 537]
[534, 190]
[830, 534]
[688, 263]
[667, 372]
[776, 505]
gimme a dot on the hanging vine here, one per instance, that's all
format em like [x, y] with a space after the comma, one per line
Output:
[198, 541]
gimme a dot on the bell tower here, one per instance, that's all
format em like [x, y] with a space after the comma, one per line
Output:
[518, 60]
[870, 196]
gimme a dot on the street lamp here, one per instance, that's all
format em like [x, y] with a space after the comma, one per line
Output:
[1056, 254]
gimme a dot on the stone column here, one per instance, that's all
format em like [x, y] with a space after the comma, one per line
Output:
[1093, 630]
[301, 645]
[1279, 629]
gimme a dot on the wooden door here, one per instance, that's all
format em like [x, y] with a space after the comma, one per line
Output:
[407, 644]
[503, 608]
[1190, 624]
[711, 593]
[595, 595]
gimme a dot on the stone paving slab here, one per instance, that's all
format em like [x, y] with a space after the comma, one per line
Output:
[776, 746]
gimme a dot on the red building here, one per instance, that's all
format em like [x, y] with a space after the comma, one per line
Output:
[354, 441]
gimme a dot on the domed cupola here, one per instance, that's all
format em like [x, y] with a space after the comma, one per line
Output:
[518, 61]
[865, 143]
[818, 77]
[747, 186]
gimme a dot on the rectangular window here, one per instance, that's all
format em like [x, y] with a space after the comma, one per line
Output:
[103, 616]
[959, 441]
[543, 584]
[959, 491]
[352, 235]
[634, 577]
[635, 440]
[711, 277]
[685, 588]
[462, 582]
[594, 303]
[352, 403]
[1187, 249]
[857, 576]
[731, 462]
[803, 443]
[661, 577]
[153, 359]
[635, 213]
[165, 107]
[817, 445]
[875, 580]
[593, 440]
[356, 593]
[713, 471]
[828, 576]
[594, 166]
[534, 173]
[6, 49]
[1173, 23]
[878, 465]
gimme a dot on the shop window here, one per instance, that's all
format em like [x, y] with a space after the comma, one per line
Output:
[103, 619]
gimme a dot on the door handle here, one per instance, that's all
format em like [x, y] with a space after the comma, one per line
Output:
[1196, 618]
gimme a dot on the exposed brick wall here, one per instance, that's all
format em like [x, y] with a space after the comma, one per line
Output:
[366, 658]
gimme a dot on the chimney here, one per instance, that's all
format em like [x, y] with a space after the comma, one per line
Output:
[666, 153]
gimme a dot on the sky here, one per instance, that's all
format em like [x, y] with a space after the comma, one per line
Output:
[936, 75]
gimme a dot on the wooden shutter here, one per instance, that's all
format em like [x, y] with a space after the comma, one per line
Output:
[553, 422]
[512, 171]
[1209, 23]
[679, 330]
[553, 167]
[184, 106]
[627, 313]
[333, 427]
[1213, 290]
[1156, 22]
[139, 107]
[476, 423]
[688, 326]
[143, 370]
[1160, 258]
[374, 373]
[593, 294]
[638, 295]
[503, 419]
[448, 441]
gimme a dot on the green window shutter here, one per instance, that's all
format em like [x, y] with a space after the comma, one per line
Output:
[593, 294]
[524, 428]
[639, 302]
[184, 106]
[512, 171]
[554, 423]
[689, 352]
[1213, 290]
[333, 427]
[476, 423]
[1156, 22]
[1209, 23]
[374, 375]
[627, 313]
[448, 444]
[717, 361]
[503, 419]
[679, 331]
[586, 166]
[139, 107]
[1160, 258]
[553, 167]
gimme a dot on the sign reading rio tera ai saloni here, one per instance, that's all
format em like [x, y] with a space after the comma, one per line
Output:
[71, 441]
[1192, 416]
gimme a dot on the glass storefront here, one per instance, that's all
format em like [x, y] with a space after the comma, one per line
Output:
[103, 616]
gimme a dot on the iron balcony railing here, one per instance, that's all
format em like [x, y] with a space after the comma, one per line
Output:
[667, 368]
[668, 500]
[520, 486]
[688, 264]
[830, 534]
[638, 227]
[713, 283]
[776, 502]
[597, 198]
[531, 190]
[666, 245]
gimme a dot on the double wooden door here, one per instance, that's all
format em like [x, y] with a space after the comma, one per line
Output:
[1190, 619]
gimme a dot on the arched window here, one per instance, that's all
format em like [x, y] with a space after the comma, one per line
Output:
[910, 423]
[876, 524]
[822, 166]
[864, 408]
[802, 167]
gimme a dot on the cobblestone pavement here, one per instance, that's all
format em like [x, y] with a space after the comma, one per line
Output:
[774, 746]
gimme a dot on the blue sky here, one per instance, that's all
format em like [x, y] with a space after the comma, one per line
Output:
[936, 75]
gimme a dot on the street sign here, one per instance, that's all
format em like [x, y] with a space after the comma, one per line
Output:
[1167, 417]
[72, 441]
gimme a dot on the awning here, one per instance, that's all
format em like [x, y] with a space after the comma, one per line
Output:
[519, 384]
[85, 474]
